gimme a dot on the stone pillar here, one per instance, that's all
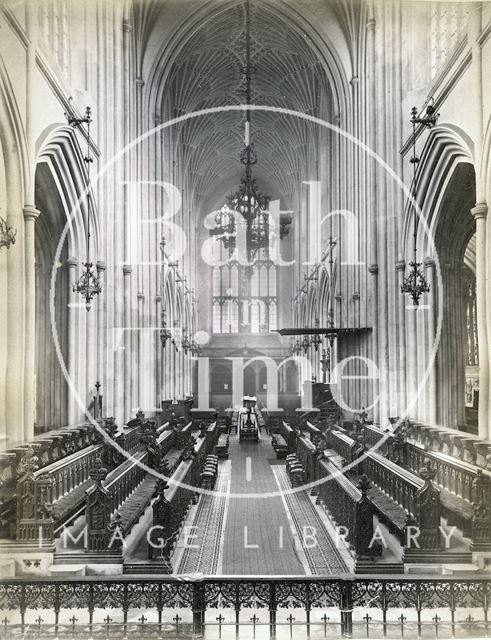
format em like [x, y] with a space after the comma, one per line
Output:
[372, 210]
[73, 347]
[401, 301]
[128, 367]
[30, 216]
[158, 352]
[480, 213]
[101, 329]
[412, 359]
[431, 409]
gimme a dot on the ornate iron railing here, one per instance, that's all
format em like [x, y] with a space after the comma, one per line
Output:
[459, 603]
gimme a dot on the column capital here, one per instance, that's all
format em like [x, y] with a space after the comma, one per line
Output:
[429, 262]
[400, 265]
[370, 24]
[71, 262]
[140, 296]
[30, 212]
[480, 210]
[127, 269]
[100, 265]
[158, 299]
[127, 26]
[373, 268]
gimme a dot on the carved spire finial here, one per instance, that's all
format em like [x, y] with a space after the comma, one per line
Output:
[427, 473]
[98, 472]
[28, 463]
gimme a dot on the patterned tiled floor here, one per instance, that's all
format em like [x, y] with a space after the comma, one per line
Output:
[202, 553]
[320, 550]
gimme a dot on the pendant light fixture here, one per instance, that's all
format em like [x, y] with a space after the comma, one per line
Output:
[415, 283]
[88, 285]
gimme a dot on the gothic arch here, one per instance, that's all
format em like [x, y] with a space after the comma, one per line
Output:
[60, 250]
[59, 148]
[445, 148]
[446, 192]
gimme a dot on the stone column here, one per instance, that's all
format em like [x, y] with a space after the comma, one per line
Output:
[127, 372]
[101, 329]
[412, 358]
[431, 409]
[401, 301]
[158, 352]
[480, 213]
[373, 200]
[73, 347]
[30, 216]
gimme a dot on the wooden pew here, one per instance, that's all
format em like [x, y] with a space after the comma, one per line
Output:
[289, 435]
[346, 447]
[306, 454]
[462, 484]
[459, 487]
[121, 496]
[50, 497]
[350, 507]
[221, 448]
[174, 500]
[280, 445]
[398, 488]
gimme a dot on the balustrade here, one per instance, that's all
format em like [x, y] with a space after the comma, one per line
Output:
[346, 599]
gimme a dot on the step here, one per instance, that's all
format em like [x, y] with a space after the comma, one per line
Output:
[67, 570]
[455, 569]
[141, 568]
[368, 567]
[86, 557]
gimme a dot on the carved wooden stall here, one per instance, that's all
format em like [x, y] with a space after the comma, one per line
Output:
[174, 499]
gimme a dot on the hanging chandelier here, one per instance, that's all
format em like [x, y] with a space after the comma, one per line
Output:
[248, 201]
[316, 339]
[186, 343]
[165, 332]
[88, 285]
[7, 234]
[415, 283]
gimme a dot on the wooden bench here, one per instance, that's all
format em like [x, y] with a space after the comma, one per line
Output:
[457, 482]
[280, 445]
[173, 502]
[50, 497]
[350, 507]
[462, 484]
[221, 448]
[393, 491]
[343, 445]
[124, 493]
[288, 433]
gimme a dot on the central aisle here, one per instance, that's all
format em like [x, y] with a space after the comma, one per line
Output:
[261, 522]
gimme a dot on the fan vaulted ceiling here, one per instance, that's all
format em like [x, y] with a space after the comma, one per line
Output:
[208, 72]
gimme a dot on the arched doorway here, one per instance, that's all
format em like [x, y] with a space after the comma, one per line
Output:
[51, 387]
[457, 367]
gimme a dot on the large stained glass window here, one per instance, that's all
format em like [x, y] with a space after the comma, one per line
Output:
[244, 296]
